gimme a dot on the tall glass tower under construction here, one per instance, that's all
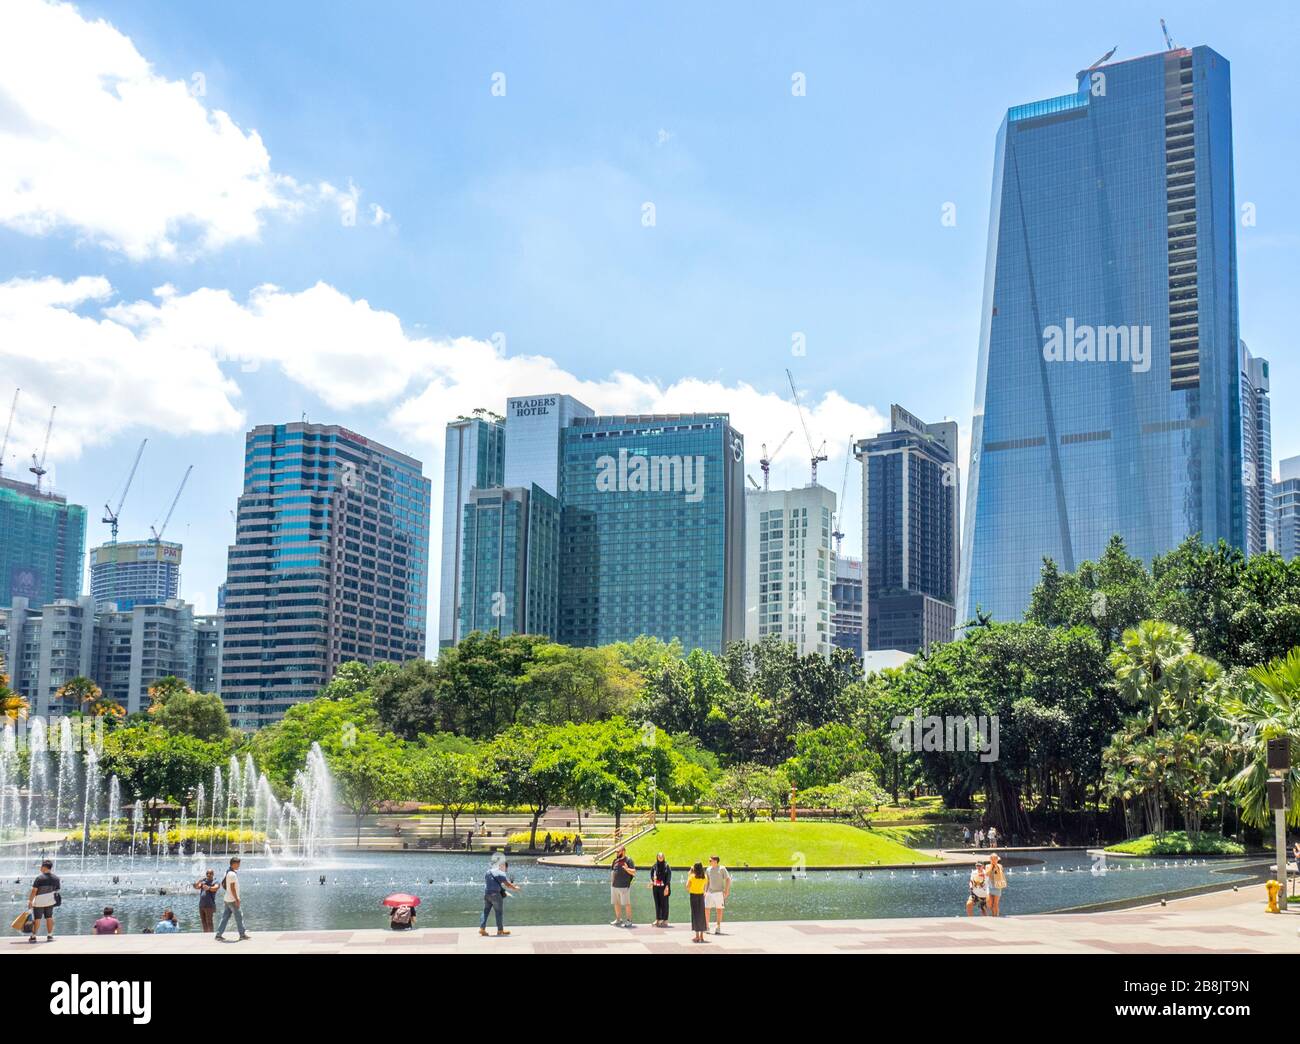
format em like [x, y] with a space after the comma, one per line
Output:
[42, 544]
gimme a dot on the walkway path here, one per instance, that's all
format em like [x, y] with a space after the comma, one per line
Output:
[1224, 922]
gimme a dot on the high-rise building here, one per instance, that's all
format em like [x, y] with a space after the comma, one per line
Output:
[846, 605]
[1286, 509]
[135, 572]
[42, 544]
[474, 459]
[652, 529]
[1107, 390]
[123, 651]
[534, 439]
[1256, 452]
[789, 566]
[208, 632]
[910, 536]
[511, 558]
[329, 564]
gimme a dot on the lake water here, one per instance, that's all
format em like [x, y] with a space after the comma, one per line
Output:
[451, 887]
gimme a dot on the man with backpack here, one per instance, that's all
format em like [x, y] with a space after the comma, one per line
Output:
[496, 882]
[230, 885]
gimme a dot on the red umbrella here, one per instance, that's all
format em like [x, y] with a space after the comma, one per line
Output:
[402, 899]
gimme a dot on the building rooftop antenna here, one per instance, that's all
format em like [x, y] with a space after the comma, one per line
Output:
[111, 515]
[38, 465]
[4, 446]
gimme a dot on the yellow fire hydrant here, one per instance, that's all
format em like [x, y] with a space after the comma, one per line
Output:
[1274, 887]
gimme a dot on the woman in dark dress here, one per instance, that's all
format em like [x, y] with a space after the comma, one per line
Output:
[695, 885]
[661, 876]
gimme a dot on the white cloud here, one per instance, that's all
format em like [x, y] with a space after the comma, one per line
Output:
[92, 139]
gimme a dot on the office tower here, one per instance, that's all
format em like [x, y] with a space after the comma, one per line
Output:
[652, 529]
[329, 564]
[474, 459]
[1286, 509]
[910, 540]
[534, 439]
[208, 631]
[42, 543]
[1256, 453]
[846, 605]
[511, 560]
[789, 566]
[135, 648]
[135, 572]
[1107, 398]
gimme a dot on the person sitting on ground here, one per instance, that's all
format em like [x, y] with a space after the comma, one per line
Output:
[108, 924]
[402, 918]
[168, 925]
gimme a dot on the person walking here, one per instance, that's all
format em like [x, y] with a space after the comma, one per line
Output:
[696, 882]
[993, 837]
[716, 895]
[997, 881]
[496, 883]
[42, 900]
[234, 902]
[207, 887]
[168, 925]
[621, 874]
[108, 924]
[661, 876]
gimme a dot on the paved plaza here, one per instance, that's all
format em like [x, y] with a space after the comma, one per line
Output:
[1222, 922]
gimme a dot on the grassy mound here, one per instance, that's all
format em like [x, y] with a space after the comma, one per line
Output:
[778, 844]
[1177, 843]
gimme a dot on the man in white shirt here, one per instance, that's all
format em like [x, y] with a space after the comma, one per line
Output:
[230, 884]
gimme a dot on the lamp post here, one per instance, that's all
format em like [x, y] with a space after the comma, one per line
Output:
[1279, 767]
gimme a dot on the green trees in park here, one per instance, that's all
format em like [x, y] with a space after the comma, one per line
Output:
[179, 709]
[152, 763]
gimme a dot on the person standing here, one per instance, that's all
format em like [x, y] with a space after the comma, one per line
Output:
[207, 887]
[993, 837]
[997, 881]
[234, 902]
[696, 882]
[621, 874]
[42, 900]
[108, 924]
[496, 883]
[719, 889]
[661, 876]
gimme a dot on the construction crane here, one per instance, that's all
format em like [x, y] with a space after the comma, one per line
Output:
[4, 446]
[819, 453]
[1104, 58]
[753, 481]
[765, 461]
[1169, 43]
[158, 533]
[839, 504]
[38, 466]
[111, 515]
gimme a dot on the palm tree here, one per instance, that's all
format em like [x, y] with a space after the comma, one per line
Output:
[1268, 707]
[1156, 665]
[12, 706]
[90, 698]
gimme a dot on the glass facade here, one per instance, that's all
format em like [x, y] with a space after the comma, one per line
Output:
[42, 545]
[1107, 389]
[1286, 509]
[656, 547]
[474, 458]
[135, 572]
[511, 561]
[846, 599]
[1256, 452]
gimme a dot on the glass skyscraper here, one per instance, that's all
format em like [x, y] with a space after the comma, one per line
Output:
[474, 459]
[652, 530]
[1108, 391]
[1256, 452]
[330, 564]
[42, 544]
[1286, 509]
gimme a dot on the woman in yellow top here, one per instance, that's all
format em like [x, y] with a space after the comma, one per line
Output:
[695, 885]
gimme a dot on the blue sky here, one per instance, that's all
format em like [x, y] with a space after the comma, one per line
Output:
[511, 253]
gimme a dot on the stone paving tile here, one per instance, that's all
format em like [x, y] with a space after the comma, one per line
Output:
[1137, 946]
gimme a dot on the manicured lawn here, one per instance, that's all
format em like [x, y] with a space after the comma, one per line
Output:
[1176, 842]
[771, 844]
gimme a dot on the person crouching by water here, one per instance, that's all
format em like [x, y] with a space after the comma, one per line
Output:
[402, 918]
[661, 876]
[696, 883]
[979, 891]
[997, 881]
